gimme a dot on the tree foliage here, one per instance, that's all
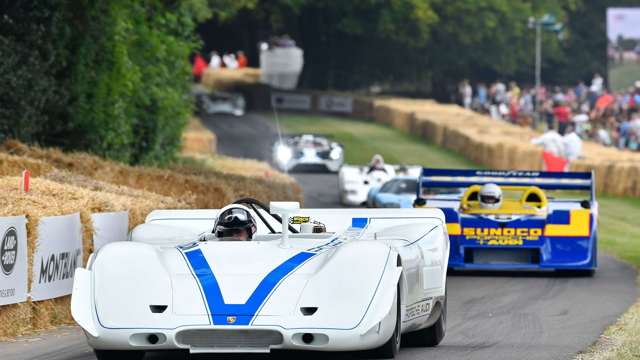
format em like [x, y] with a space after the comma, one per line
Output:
[108, 76]
[429, 44]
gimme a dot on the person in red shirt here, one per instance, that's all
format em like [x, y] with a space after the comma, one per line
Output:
[242, 60]
[562, 114]
[198, 66]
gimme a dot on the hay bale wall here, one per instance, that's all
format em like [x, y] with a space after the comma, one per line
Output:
[65, 183]
[496, 144]
[52, 198]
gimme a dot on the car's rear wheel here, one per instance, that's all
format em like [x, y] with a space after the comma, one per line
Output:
[119, 354]
[392, 347]
[432, 335]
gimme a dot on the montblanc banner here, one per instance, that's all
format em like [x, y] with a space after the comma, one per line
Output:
[109, 227]
[58, 253]
[13, 260]
[335, 103]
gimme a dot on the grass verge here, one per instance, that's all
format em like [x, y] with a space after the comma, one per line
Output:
[363, 139]
[619, 230]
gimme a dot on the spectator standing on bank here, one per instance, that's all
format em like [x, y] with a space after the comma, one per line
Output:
[547, 110]
[199, 64]
[215, 62]
[466, 93]
[230, 61]
[572, 144]
[562, 114]
[243, 62]
[481, 97]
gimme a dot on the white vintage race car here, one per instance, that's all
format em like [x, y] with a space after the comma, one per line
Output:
[354, 182]
[308, 153]
[370, 277]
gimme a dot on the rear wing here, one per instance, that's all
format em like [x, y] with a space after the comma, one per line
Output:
[448, 178]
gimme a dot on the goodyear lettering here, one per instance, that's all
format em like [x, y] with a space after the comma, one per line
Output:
[502, 236]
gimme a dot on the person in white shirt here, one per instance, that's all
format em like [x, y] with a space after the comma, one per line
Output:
[215, 62]
[552, 142]
[230, 61]
[572, 144]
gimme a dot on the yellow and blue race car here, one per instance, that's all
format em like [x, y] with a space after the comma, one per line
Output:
[546, 220]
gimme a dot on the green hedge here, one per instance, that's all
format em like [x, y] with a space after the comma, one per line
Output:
[109, 77]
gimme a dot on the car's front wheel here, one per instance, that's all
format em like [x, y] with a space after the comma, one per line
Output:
[119, 354]
[432, 335]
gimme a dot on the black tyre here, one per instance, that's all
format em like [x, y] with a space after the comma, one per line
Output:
[432, 335]
[392, 347]
[119, 354]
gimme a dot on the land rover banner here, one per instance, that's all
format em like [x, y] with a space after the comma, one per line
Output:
[58, 253]
[13, 260]
[109, 227]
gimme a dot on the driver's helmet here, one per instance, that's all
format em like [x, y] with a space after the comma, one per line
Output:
[490, 196]
[377, 162]
[235, 222]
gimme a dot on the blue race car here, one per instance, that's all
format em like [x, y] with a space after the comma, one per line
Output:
[545, 221]
[399, 192]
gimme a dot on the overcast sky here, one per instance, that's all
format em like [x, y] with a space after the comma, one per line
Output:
[623, 21]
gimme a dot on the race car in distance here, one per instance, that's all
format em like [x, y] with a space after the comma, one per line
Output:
[399, 192]
[354, 182]
[322, 279]
[545, 220]
[308, 152]
[217, 102]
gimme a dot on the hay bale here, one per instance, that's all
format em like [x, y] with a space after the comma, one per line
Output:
[197, 139]
[224, 79]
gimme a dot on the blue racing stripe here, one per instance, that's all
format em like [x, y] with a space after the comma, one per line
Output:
[243, 313]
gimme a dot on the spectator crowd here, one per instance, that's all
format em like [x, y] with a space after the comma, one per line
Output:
[215, 61]
[591, 111]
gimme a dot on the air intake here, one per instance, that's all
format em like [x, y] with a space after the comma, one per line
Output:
[256, 340]
[157, 309]
[308, 311]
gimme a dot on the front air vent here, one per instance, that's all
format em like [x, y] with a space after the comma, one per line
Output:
[308, 311]
[157, 309]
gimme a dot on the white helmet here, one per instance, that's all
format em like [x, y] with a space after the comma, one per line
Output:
[490, 196]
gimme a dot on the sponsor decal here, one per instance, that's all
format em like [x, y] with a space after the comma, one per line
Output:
[507, 173]
[417, 310]
[60, 266]
[297, 220]
[9, 251]
[501, 236]
[231, 320]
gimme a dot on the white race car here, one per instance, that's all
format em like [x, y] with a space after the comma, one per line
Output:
[354, 182]
[375, 275]
[308, 152]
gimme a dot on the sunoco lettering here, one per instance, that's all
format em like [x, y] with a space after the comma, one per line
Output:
[58, 266]
[501, 232]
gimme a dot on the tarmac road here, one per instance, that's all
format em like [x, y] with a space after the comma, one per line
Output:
[491, 316]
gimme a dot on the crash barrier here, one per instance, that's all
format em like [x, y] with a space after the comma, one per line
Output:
[224, 79]
[171, 187]
[69, 183]
[197, 139]
[38, 257]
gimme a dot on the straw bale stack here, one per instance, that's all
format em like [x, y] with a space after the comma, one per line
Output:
[224, 79]
[50, 198]
[197, 139]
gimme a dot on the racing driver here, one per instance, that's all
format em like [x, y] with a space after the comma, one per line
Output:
[490, 196]
[235, 222]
